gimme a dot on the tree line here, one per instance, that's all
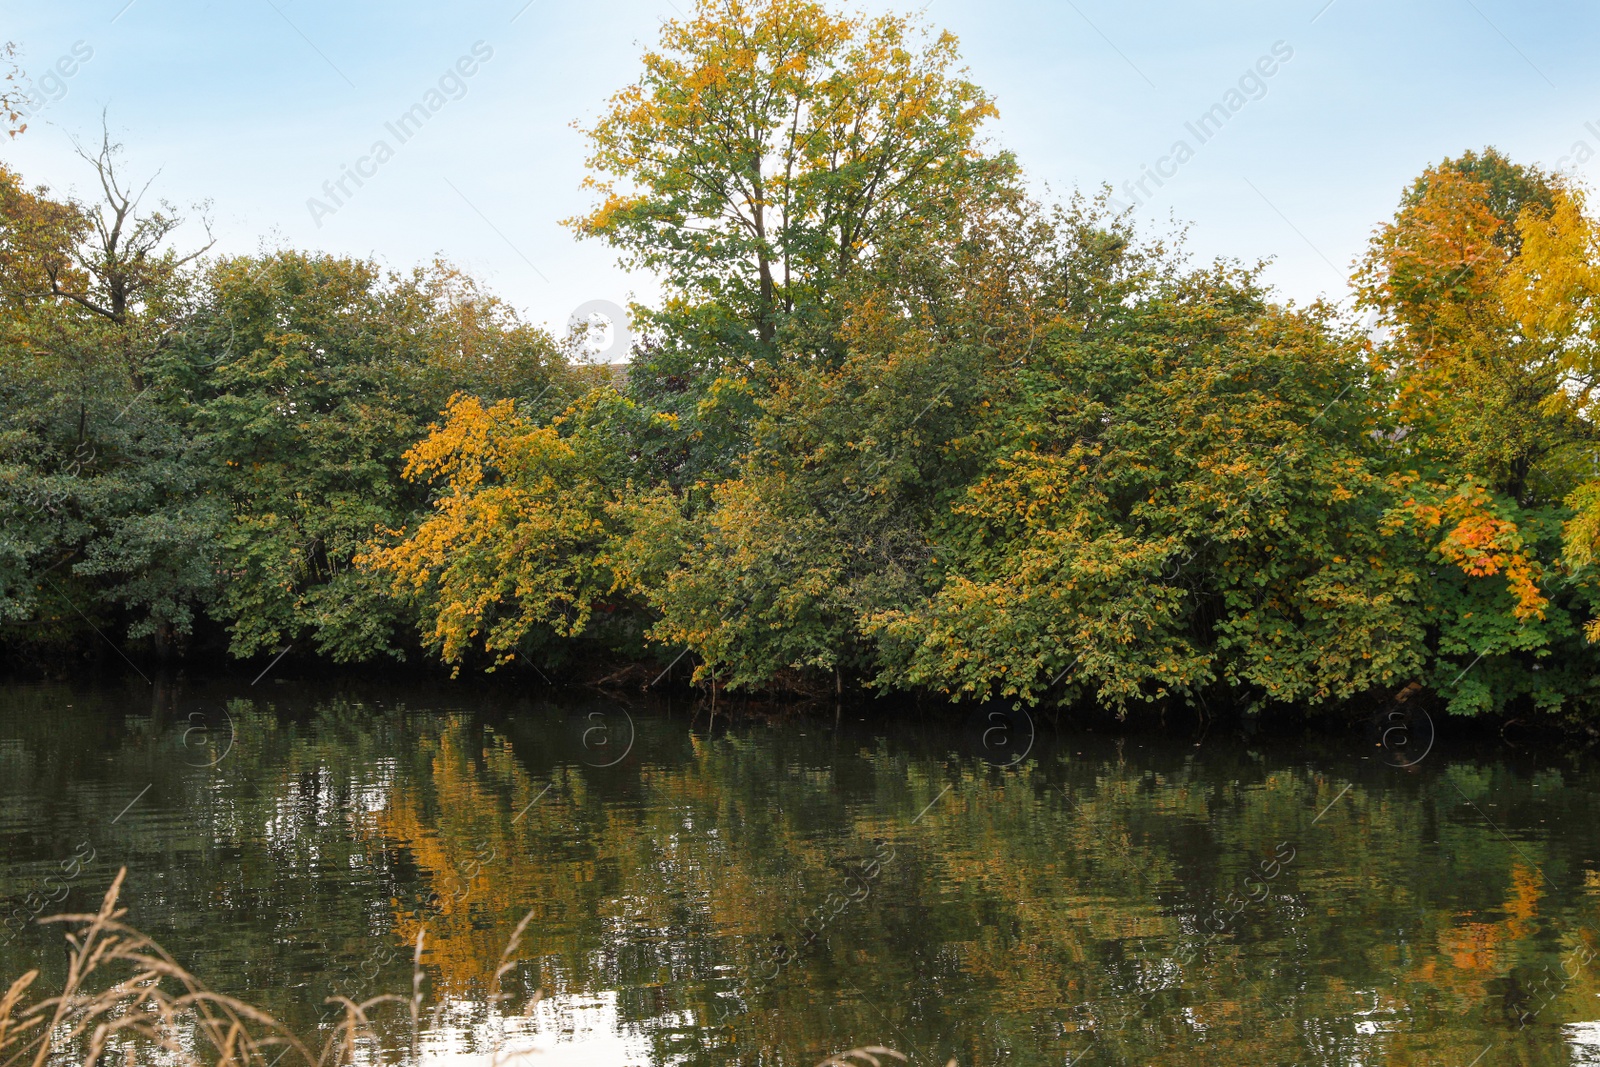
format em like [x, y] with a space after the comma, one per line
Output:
[893, 425]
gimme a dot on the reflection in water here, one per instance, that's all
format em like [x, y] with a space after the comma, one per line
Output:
[565, 1031]
[782, 890]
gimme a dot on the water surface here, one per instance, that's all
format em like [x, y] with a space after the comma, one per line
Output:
[768, 892]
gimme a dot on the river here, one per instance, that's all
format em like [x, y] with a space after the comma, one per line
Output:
[770, 890]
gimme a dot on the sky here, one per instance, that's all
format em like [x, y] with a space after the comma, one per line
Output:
[252, 105]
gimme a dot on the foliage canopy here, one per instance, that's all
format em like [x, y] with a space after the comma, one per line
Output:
[893, 424]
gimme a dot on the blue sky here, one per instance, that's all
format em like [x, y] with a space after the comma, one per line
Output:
[254, 104]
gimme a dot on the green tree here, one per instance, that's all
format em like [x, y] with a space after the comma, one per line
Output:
[1181, 493]
[309, 378]
[106, 521]
[852, 462]
[768, 153]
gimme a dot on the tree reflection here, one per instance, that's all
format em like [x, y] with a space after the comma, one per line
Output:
[1090, 902]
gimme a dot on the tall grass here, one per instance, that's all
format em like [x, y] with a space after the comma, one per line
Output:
[125, 1000]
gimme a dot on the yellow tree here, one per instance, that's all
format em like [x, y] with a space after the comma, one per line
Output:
[767, 149]
[1487, 279]
[1552, 292]
[515, 544]
[38, 236]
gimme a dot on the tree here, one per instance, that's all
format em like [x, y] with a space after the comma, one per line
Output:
[1180, 494]
[39, 236]
[769, 151]
[513, 553]
[1487, 278]
[851, 463]
[1481, 279]
[309, 378]
[105, 516]
[117, 264]
[224, 439]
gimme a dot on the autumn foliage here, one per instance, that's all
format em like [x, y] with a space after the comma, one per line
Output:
[893, 425]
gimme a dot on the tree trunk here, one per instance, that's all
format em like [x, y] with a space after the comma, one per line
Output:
[765, 328]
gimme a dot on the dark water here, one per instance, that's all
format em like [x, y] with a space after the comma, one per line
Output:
[770, 892]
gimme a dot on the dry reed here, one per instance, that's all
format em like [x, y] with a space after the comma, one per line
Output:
[125, 999]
